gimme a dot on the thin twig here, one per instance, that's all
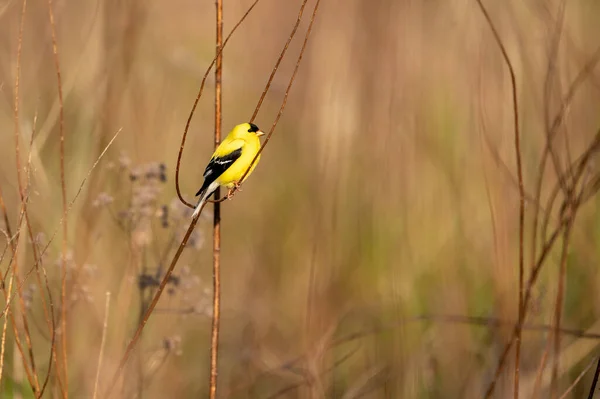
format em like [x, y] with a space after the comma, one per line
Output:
[521, 190]
[50, 320]
[216, 251]
[189, 120]
[35, 386]
[5, 325]
[528, 291]
[575, 85]
[14, 248]
[55, 232]
[151, 307]
[63, 187]
[276, 67]
[37, 265]
[48, 314]
[579, 166]
[102, 343]
[285, 97]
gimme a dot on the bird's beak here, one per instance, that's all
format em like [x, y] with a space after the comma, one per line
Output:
[260, 133]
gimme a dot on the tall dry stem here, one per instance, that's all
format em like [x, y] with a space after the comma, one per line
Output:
[63, 187]
[216, 250]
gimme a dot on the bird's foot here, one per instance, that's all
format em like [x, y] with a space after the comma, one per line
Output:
[236, 187]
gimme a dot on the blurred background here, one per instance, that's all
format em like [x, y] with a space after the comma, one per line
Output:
[386, 200]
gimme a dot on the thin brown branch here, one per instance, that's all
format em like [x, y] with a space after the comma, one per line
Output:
[5, 325]
[276, 67]
[63, 186]
[35, 385]
[536, 266]
[521, 189]
[151, 306]
[189, 120]
[575, 171]
[53, 355]
[37, 260]
[49, 316]
[518, 326]
[575, 85]
[573, 204]
[6, 292]
[55, 232]
[285, 97]
[531, 282]
[48, 307]
[14, 243]
[216, 250]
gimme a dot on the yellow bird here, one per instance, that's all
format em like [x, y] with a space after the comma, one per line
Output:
[230, 161]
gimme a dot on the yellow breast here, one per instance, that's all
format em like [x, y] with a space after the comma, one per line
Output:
[235, 172]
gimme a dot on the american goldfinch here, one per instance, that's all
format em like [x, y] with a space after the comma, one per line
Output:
[230, 161]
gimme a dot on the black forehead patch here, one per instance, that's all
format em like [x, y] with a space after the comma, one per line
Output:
[253, 128]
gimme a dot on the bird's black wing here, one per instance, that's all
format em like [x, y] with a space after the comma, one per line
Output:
[217, 166]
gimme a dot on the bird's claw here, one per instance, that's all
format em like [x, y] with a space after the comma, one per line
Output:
[236, 187]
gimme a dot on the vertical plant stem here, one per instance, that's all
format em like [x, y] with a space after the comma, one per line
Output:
[3, 344]
[31, 374]
[517, 138]
[17, 132]
[63, 186]
[189, 120]
[6, 292]
[214, 339]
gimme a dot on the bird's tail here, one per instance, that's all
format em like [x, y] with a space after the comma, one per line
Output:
[204, 193]
[201, 202]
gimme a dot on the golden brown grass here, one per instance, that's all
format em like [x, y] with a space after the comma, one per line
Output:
[389, 192]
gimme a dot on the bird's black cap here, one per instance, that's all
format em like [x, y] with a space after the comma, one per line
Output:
[253, 128]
